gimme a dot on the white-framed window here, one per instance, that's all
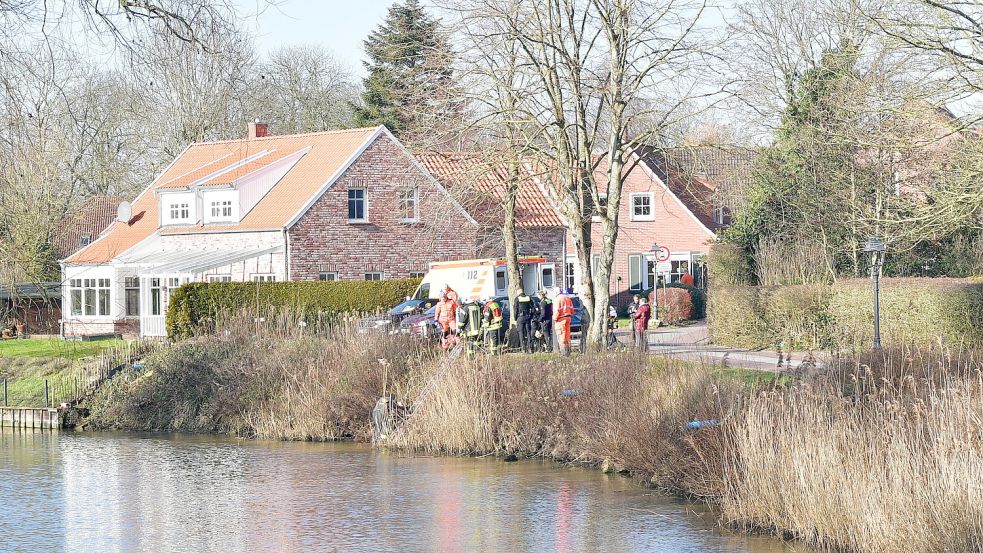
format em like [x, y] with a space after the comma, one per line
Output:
[409, 205]
[264, 277]
[156, 296]
[131, 296]
[90, 297]
[327, 276]
[600, 208]
[548, 276]
[718, 214]
[680, 267]
[643, 206]
[570, 273]
[221, 209]
[180, 211]
[635, 272]
[374, 276]
[219, 278]
[417, 274]
[356, 205]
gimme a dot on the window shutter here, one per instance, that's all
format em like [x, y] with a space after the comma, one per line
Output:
[635, 272]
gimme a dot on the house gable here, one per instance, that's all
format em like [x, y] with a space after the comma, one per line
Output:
[324, 240]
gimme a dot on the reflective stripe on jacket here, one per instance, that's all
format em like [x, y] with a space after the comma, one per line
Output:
[493, 316]
[563, 308]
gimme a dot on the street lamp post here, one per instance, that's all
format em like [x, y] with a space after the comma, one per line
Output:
[876, 248]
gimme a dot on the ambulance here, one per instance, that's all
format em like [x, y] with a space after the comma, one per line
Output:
[485, 278]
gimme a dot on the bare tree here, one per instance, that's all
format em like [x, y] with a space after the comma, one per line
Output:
[589, 73]
[189, 94]
[301, 89]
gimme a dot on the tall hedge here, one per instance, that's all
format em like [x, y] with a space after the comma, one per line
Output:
[192, 303]
[840, 316]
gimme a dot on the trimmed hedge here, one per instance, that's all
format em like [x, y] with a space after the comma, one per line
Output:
[675, 305]
[840, 316]
[697, 296]
[194, 303]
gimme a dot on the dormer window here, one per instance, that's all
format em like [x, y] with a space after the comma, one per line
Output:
[222, 209]
[221, 206]
[180, 211]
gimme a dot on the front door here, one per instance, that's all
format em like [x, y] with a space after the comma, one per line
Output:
[155, 294]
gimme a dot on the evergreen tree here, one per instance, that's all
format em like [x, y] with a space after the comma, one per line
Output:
[816, 184]
[409, 85]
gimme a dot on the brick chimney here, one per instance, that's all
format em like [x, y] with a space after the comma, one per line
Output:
[257, 129]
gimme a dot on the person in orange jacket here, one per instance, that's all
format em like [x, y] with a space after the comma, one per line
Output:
[562, 317]
[445, 314]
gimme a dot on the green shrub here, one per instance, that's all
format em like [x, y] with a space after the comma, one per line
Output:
[728, 265]
[192, 305]
[735, 317]
[797, 316]
[913, 311]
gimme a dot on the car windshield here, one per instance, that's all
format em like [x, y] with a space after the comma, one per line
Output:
[405, 307]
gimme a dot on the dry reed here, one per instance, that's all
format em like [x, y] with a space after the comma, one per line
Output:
[882, 458]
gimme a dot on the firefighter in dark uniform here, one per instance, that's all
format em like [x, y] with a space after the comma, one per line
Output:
[492, 319]
[545, 321]
[525, 311]
[469, 324]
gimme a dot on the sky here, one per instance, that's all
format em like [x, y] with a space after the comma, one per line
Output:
[338, 25]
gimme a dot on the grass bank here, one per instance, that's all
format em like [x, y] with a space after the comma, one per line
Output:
[27, 364]
[882, 453]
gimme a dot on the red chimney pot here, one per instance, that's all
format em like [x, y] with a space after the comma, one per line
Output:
[257, 129]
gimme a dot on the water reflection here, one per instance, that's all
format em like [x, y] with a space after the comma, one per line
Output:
[113, 492]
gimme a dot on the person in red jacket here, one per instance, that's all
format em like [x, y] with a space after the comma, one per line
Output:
[562, 317]
[640, 321]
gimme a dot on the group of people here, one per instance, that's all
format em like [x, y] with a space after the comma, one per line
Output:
[481, 323]
[543, 325]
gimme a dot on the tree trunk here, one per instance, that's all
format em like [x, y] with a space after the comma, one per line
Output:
[509, 236]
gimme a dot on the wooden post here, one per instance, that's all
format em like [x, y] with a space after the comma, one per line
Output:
[5, 392]
[47, 397]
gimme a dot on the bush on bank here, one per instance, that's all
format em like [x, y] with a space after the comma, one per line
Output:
[920, 311]
[276, 380]
[193, 304]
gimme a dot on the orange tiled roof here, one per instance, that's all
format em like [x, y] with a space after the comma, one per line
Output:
[479, 185]
[329, 151]
[85, 224]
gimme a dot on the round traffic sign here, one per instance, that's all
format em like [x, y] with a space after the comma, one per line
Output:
[662, 254]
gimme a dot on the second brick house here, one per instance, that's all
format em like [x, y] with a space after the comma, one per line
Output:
[351, 204]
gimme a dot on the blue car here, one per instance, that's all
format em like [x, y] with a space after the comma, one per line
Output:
[390, 320]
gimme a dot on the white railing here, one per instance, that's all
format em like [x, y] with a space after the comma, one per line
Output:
[152, 326]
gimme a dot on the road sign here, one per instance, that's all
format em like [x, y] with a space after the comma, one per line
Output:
[662, 254]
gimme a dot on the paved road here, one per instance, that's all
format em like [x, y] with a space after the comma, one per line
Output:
[692, 343]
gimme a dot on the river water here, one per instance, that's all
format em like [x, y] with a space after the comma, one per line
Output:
[93, 492]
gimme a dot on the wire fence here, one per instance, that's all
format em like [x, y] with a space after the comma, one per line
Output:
[75, 383]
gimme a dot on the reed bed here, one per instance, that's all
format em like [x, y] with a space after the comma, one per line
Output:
[886, 455]
[617, 410]
[881, 452]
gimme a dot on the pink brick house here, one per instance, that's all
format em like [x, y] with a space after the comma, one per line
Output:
[351, 204]
[661, 204]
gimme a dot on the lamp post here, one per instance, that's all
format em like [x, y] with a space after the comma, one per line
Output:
[876, 248]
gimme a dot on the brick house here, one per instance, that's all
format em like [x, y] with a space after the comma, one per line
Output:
[352, 204]
[661, 204]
